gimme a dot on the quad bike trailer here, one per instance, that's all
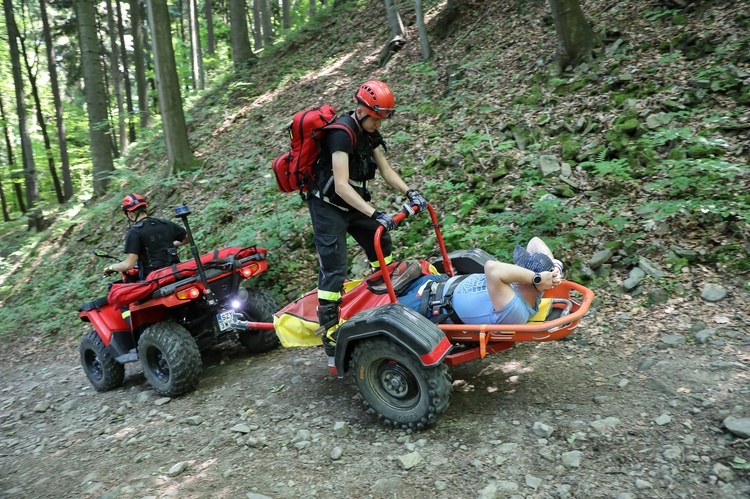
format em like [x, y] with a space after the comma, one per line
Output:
[398, 359]
[179, 311]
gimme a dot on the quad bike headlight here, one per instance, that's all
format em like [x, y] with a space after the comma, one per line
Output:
[240, 299]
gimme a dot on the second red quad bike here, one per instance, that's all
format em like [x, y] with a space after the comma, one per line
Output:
[398, 358]
[167, 320]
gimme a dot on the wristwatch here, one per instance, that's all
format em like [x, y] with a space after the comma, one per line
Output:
[537, 279]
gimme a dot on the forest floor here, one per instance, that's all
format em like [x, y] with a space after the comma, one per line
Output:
[633, 406]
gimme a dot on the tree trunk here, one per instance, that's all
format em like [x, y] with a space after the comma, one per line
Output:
[394, 19]
[67, 181]
[114, 59]
[257, 25]
[110, 114]
[398, 34]
[126, 74]
[96, 96]
[144, 111]
[11, 160]
[311, 9]
[196, 55]
[29, 169]
[210, 40]
[241, 50]
[450, 9]
[286, 15]
[179, 154]
[575, 39]
[424, 41]
[4, 203]
[31, 74]
[265, 14]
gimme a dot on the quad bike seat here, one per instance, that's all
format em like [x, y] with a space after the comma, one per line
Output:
[93, 304]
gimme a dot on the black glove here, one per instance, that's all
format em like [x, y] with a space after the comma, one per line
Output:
[384, 220]
[417, 199]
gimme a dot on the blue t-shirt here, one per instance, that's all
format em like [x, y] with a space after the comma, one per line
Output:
[471, 301]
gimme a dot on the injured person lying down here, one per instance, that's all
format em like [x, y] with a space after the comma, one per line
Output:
[504, 293]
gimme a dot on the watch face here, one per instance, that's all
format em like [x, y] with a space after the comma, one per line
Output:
[537, 279]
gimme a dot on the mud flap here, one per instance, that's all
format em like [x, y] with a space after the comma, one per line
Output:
[402, 325]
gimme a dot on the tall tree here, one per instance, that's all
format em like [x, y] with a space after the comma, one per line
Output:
[209, 15]
[265, 16]
[242, 53]
[179, 154]
[11, 159]
[27, 154]
[62, 142]
[424, 41]
[575, 39]
[125, 73]
[136, 27]
[41, 122]
[96, 95]
[257, 25]
[196, 55]
[4, 203]
[286, 15]
[398, 34]
[117, 83]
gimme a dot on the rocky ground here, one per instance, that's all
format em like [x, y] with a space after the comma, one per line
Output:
[648, 402]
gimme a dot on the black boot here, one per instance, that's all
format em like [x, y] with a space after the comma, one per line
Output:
[328, 316]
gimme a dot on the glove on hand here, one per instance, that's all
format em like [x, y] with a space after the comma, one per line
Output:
[417, 199]
[384, 220]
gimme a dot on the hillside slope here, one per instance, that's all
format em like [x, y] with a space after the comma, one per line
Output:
[471, 131]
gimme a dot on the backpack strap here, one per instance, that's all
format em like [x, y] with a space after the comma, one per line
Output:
[339, 125]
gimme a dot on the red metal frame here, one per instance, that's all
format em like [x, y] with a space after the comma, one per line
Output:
[491, 338]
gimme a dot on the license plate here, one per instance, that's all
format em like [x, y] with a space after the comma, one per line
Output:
[226, 320]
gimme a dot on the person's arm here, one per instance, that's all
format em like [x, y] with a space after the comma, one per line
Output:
[123, 266]
[389, 174]
[343, 188]
[536, 245]
[500, 275]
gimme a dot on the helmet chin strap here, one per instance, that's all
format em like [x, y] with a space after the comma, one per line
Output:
[358, 120]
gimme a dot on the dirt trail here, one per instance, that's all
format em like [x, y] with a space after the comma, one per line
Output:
[626, 410]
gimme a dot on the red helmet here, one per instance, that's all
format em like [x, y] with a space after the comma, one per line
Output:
[377, 99]
[133, 201]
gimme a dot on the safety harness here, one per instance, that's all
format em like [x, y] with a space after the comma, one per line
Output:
[440, 305]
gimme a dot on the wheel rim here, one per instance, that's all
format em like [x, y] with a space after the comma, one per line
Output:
[93, 364]
[158, 363]
[397, 383]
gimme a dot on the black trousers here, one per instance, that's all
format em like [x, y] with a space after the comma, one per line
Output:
[331, 225]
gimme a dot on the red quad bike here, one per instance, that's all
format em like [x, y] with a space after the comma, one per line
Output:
[178, 311]
[398, 358]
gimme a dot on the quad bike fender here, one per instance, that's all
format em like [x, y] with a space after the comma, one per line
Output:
[402, 325]
[105, 319]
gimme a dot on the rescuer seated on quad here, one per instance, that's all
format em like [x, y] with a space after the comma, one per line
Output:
[504, 294]
[150, 242]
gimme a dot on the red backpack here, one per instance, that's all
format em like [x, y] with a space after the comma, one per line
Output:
[294, 170]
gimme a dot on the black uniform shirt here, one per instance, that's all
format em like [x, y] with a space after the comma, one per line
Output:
[150, 239]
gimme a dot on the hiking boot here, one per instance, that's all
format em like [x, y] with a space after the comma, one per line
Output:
[328, 317]
[329, 346]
